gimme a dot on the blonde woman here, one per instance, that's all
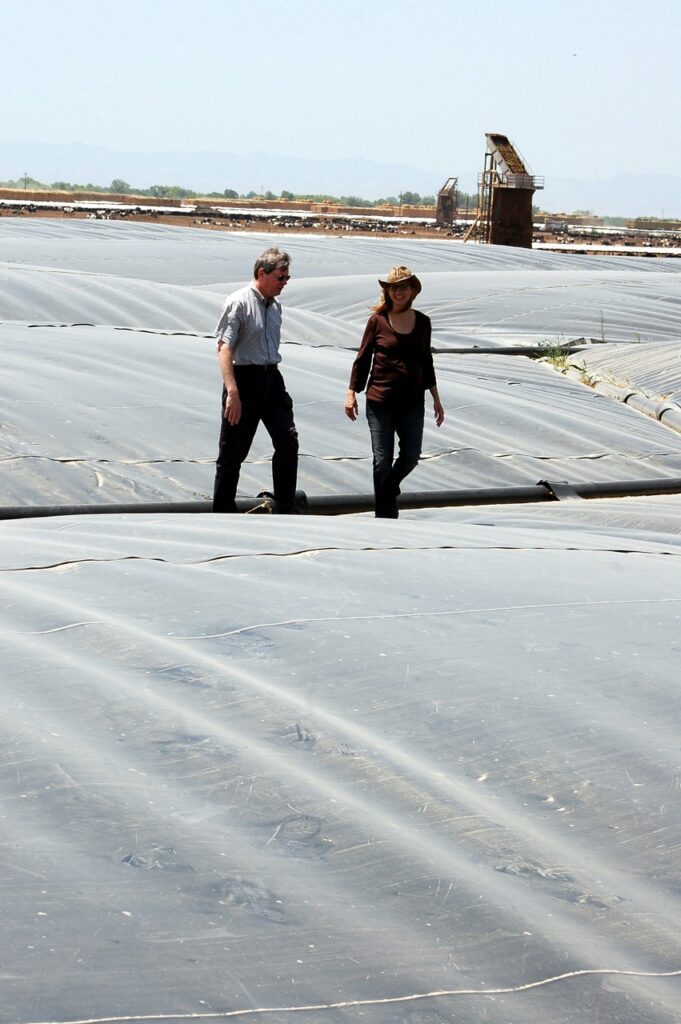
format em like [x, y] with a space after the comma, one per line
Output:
[395, 364]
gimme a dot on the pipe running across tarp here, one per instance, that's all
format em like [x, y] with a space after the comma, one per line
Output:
[345, 504]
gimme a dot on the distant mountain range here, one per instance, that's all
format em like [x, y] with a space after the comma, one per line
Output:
[214, 171]
[623, 195]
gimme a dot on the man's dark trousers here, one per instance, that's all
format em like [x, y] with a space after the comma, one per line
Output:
[264, 398]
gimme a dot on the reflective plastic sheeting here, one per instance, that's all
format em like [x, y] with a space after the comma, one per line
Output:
[653, 370]
[346, 761]
[98, 415]
[332, 769]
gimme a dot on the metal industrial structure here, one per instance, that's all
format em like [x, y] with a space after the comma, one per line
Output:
[505, 190]
[445, 213]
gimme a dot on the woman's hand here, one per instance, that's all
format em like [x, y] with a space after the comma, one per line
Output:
[351, 405]
[438, 411]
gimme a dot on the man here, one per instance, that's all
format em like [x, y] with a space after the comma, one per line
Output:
[249, 334]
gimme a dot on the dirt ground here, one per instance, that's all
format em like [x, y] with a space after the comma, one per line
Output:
[341, 225]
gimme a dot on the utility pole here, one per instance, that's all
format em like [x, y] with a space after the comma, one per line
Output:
[25, 180]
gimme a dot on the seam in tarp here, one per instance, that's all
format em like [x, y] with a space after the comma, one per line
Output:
[111, 327]
[442, 453]
[300, 552]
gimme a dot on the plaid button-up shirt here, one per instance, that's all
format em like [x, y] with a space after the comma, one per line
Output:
[251, 327]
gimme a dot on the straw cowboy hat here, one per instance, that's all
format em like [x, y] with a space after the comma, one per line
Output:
[397, 275]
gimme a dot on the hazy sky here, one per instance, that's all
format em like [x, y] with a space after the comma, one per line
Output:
[585, 88]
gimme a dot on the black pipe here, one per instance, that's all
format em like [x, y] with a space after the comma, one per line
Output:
[334, 504]
[151, 507]
[544, 490]
[531, 351]
[629, 488]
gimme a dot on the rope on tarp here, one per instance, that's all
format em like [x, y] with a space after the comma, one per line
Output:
[349, 1003]
[347, 504]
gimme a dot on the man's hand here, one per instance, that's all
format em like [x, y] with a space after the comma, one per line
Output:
[233, 408]
[351, 405]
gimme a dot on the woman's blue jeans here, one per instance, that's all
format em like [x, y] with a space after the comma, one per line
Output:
[386, 423]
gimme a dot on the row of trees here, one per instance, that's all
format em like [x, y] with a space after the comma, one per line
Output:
[465, 199]
[117, 186]
[120, 187]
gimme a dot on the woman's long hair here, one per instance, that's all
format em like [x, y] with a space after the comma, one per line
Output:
[385, 303]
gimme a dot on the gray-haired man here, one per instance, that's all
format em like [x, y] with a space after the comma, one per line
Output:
[249, 334]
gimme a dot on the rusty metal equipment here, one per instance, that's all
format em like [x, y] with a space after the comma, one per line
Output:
[445, 213]
[505, 190]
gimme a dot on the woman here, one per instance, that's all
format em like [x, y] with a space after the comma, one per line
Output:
[396, 359]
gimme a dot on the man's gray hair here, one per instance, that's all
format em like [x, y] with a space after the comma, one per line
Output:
[271, 259]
